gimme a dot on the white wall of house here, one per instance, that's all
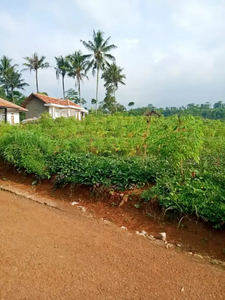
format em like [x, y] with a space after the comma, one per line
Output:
[56, 112]
[13, 116]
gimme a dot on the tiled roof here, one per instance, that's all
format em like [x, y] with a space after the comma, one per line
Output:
[50, 100]
[7, 104]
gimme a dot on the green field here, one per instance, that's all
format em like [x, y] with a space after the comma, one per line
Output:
[184, 157]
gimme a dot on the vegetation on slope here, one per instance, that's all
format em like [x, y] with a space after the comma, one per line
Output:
[183, 156]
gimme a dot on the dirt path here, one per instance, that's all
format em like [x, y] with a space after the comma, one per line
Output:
[49, 254]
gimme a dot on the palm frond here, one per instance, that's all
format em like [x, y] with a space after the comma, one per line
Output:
[106, 42]
[87, 45]
[108, 48]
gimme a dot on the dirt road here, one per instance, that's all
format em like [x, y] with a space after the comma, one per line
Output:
[49, 254]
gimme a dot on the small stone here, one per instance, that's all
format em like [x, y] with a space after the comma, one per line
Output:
[151, 237]
[82, 208]
[144, 232]
[163, 236]
[74, 203]
[107, 222]
[179, 245]
[141, 233]
[190, 253]
[182, 290]
[168, 245]
[198, 255]
[123, 227]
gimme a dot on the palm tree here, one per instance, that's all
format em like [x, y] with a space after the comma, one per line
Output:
[5, 65]
[34, 63]
[113, 77]
[61, 69]
[78, 64]
[100, 48]
[12, 80]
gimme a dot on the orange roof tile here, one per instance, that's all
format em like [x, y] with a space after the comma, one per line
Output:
[7, 104]
[50, 100]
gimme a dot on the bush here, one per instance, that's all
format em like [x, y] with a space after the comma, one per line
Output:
[108, 171]
[190, 195]
[28, 150]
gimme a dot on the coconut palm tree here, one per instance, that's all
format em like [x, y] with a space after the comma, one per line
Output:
[5, 65]
[78, 64]
[113, 77]
[12, 80]
[34, 63]
[100, 49]
[61, 68]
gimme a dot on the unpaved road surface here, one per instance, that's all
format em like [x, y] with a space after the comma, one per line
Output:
[49, 254]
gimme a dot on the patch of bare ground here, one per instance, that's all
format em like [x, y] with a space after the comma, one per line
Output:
[193, 236]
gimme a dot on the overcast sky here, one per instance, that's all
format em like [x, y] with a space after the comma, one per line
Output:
[172, 51]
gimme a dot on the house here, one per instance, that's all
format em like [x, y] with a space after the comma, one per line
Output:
[10, 112]
[37, 104]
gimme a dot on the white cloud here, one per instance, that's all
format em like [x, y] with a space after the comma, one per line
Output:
[111, 14]
[172, 51]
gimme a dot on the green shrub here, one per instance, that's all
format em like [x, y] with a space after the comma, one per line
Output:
[192, 195]
[108, 171]
[28, 150]
[126, 151]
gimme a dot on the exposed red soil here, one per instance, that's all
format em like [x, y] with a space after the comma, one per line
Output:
[193, 236]
[46, 254]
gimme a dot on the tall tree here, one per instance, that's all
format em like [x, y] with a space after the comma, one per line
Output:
[131, 104]
[113, 77]
[5, 65]
[12, 80]
[100, 49]
[34, 63]
[78, 64]
[61, 68]
[2, 93]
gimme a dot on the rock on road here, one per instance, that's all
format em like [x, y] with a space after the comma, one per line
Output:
[50, 254]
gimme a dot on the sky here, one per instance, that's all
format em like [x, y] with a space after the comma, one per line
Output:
[172, 51]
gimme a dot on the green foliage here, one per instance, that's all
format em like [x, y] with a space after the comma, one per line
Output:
[77, 66]
[183, 156]
[196, 196]
[100, 56]
[61, 69]
[89, 169]
[72, 95]
[34, 63]
[113, 77]
[29, 151]
[130, 104]
[10, 79]
[216, 111]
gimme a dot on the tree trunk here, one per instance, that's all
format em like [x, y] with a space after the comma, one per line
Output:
[78, 84]
[63, 86]
[115, 99]
[97, 91]
[12, 95]
[36, 80]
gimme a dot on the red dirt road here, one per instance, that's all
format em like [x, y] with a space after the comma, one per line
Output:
[50, 254]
